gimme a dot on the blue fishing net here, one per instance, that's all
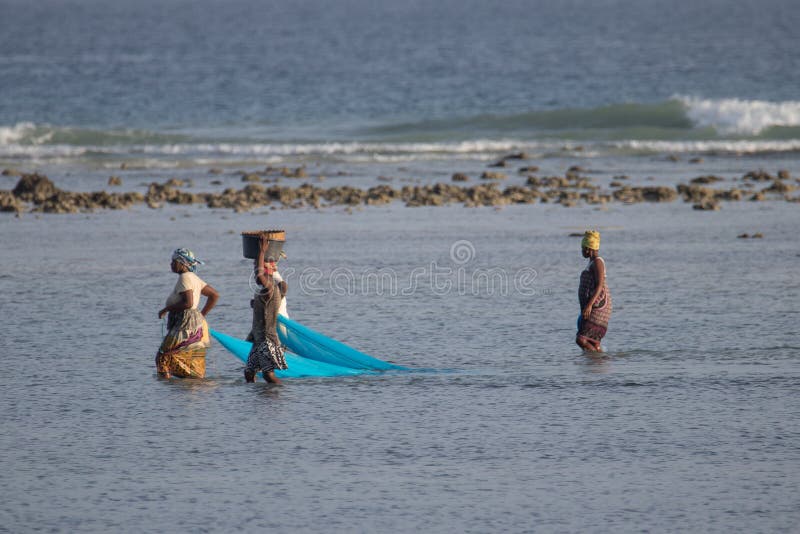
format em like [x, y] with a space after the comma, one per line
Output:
[310, 353]
[312, 345]
[298, 366]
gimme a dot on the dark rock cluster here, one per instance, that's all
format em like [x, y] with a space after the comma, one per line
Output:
[37, 193]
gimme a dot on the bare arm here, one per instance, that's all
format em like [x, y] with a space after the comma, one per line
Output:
[599, 267]
[185, 303]
[211, 299]
[261, 271]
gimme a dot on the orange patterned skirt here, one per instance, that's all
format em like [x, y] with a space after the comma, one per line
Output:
[183, 351]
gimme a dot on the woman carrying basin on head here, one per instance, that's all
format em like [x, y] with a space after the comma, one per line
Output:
[182, 352]
[267, 353]
[593, 295]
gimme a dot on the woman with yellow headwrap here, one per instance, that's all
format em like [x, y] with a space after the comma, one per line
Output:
[593, 295]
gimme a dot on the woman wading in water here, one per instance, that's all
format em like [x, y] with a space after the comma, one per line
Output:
[267, 354]
[593, 295]
[183, 351]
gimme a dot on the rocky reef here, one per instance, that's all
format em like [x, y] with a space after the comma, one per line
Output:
[37, 193]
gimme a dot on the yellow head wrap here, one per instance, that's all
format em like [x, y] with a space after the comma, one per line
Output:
[591, 240]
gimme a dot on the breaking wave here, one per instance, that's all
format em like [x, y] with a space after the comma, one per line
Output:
[682, 124]
[742, 117]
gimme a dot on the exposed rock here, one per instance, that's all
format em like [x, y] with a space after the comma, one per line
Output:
[555, 181]
[215, 171]
[9, 202]
[67, 202]
[783, 174]
[379, 195]
[710, 179]
[659, 194]
[299, 172]
[503, 162]
[570, 190]
[730, 194]
[696, 160]
[707, 206]
[695, 193]
[516, 194]
[529, 168]
[11, 172]
[114, 180]
[779, 187]
[759, 176]
[158, 193]
[34, 188]
[630, 194]
[595, 198]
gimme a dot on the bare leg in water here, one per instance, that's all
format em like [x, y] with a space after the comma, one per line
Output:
[588, 345]
[269, 376]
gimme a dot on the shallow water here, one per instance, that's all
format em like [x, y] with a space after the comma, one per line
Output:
[688, 422]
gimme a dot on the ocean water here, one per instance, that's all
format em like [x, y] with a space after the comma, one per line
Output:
[688, 422]
[179, 82]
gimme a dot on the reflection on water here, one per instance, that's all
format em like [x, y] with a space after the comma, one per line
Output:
[596, 363]
[199, 386]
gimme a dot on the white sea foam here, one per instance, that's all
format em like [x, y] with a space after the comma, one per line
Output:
[19, 132]
[740, 117]
[17, 143]
[200, 154]
[705, 147]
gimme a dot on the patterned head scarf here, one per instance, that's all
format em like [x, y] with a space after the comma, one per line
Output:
[184, 256]
[591, 240]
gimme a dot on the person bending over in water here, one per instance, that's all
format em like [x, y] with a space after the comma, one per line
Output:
[593, 295]
[267, 353]
[182, 352]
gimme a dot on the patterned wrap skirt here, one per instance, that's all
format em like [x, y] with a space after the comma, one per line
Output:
[266, 356]
[183, 351]
[596, 326]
